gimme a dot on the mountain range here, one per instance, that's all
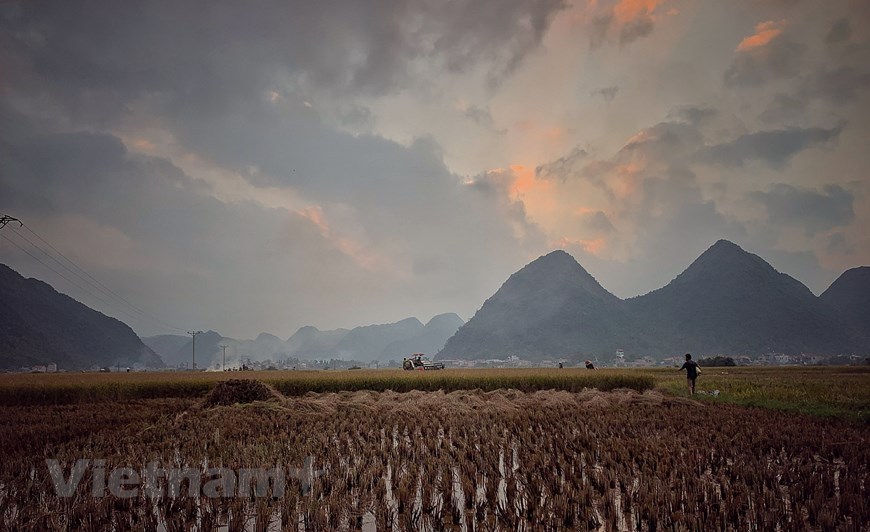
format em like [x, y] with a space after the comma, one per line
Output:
[728, 301]
[40, 326]
[365, 344]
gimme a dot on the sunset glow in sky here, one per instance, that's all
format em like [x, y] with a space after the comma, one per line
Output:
[249, 168]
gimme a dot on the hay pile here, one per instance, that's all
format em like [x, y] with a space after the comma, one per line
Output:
[240, 391]
[472, 402]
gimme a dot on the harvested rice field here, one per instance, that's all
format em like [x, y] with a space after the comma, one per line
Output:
[245, 456]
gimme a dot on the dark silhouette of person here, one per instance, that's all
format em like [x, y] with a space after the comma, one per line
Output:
[692, 371]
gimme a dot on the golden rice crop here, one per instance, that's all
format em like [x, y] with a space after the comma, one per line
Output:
[67, 388]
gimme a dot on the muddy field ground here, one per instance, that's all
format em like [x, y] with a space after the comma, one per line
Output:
[469, 459]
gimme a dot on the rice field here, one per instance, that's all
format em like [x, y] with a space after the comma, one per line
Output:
[63, 388]
[487, 456]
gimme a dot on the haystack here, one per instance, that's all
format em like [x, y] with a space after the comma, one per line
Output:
[235, 391]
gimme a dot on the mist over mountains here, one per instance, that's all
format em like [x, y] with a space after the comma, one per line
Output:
[728, 301]
[365, 344]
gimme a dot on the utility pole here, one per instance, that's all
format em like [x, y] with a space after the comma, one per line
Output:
[193, 355]
[4, 219]
[224, 367]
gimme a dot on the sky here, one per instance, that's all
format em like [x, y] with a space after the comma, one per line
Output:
[248, 167]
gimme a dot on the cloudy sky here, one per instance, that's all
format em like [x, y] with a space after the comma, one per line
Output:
[263, 166]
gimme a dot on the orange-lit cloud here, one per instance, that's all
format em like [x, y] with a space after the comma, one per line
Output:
[622, 21]
[525, 181]
[555, 133]
[626, 180]
[361, 254]
[764, 33]
[627, 11]
[314, 214]
[592, 246]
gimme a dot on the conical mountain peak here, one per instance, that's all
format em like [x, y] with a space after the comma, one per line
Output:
[552, 306]
[557, 270]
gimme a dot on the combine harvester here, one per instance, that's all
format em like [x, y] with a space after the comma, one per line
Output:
[417, 362]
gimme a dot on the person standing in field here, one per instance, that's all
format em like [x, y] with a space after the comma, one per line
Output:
[692, 371]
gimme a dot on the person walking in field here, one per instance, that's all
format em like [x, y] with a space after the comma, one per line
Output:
[692, 371]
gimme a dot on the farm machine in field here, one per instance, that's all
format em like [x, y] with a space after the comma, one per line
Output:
[418, 362]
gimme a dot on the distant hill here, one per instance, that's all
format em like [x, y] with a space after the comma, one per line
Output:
[728, 301]
[375, 342]
[40, 326]
[264, 347]
[367, 343]
[429, 340]
[551, 307]
[850, 296]
[310, 343]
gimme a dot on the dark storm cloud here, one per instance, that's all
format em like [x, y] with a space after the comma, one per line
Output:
[813, 211]
[774, 147]
[499, 33]
[97, 58]
[205, 72]
[781, 58]
[93, 174]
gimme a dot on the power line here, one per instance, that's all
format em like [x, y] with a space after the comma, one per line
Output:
[89, 280]
[93, 281]
[80, 287]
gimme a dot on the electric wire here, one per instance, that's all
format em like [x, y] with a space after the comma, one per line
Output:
[93, 281]
[72, 282]
[91, 284]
